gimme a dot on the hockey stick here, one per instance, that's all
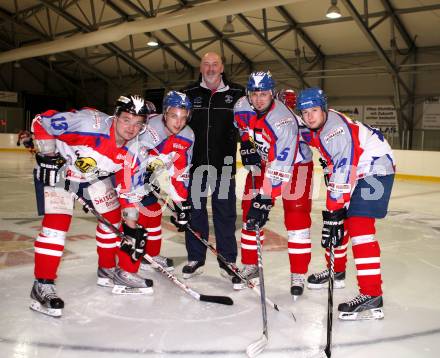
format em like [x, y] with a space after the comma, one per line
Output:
[231, 266]
[328, 347]
[258, 346]
[224, 300]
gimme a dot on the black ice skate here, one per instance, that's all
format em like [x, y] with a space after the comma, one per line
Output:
[45, 298]
[250, 273]
[105, 277]
[130, 283]
[320, 280]
[296, 285]
[362, 307]
[165, 262]
[192, 268]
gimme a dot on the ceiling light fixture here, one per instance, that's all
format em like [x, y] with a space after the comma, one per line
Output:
[152, 42]
[52, 58]
[228, 27]
[333, 11]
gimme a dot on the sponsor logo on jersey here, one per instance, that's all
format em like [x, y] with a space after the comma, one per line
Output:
[229, 99]
[85, 164]
[278, 175]
[183, 177]
[178, 146]
[98, 121]
[283, 122]
[339, 187]
[335, 132]
[120, 156]
[153, 134]
[105, 198]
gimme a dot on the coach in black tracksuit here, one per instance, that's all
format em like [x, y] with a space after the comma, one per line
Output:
[213, 162]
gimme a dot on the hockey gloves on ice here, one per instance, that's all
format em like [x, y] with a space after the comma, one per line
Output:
[258, 213]
[49, 166]
[333, 227]
[183, 215]
[135, 243]
[249, 155]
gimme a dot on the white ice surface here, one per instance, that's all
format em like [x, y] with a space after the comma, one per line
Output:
[171, 323]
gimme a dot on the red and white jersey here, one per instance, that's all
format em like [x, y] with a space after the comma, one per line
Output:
[275, 135]
[85, 138]
[352, 150]
[157, 149]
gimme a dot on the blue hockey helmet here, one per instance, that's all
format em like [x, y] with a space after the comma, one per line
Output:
[311, 97]
[260, 81]
[176, 99]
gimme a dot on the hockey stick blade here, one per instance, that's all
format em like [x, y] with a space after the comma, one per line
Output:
[257, 347]
[223, 300]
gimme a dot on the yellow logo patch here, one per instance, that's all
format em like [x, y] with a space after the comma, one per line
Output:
[85, 164]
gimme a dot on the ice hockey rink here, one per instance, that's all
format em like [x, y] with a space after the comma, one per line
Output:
[171, 323]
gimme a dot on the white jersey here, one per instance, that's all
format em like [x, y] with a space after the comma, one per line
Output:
[85, 138]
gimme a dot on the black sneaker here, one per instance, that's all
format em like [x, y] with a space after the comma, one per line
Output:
[320, 279]
[192, 268]
[361, 307]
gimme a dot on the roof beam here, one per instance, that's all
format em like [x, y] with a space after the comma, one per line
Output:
[110, 46]
[220, 37]
[168, 33]
[272, 49]
[399, 25]
[309, 42]
[374, 43]
[10, 17]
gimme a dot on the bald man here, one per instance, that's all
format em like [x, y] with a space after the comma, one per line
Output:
[213, 163]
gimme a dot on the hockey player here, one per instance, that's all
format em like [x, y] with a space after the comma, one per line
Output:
[361, 174]
[270, 140]
[288, 97]
[166, 144]
[86, 146]
[25, 137]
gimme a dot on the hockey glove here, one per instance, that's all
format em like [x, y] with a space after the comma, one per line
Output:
[49, 166]
[135, 242]
[183, 215]
[325, 171]
[258, 213]
[249, 155]
[333, 227]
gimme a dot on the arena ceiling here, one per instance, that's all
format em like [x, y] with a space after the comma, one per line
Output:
[83, 40]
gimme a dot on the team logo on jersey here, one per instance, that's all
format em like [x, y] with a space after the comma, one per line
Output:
[229, 99]
[198, 102]
[155, 164]
[85, 164]
[283, 122]
[335, 132]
